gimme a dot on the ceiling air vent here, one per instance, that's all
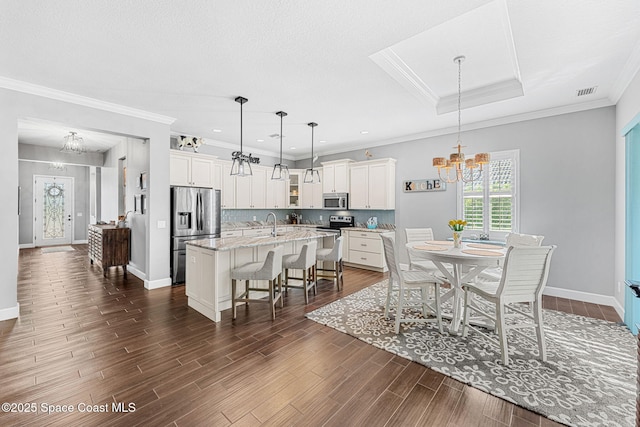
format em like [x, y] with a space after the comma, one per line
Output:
[276, 135]
[586, 91]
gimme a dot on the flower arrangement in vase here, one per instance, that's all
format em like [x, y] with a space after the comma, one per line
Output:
[457, 225]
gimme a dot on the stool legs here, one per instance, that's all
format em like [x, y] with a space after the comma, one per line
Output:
[233, 297]
[309, 280]
[244, 297]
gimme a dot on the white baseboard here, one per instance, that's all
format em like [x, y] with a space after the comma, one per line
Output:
[26, 245]
[136, 272]
[585, 297]
[148, 284]
[80, 242]
[159, 283]
[10, 313]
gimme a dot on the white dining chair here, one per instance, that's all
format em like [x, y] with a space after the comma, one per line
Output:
[409, 289]
[420, 235]
[512, 239]
[524, 276]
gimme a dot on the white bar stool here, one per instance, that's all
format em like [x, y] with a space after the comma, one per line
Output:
[270, 269]
[305, 261]
[334, 255]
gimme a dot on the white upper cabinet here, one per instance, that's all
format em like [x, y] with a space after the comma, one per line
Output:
[191, 169]
[373, 184]
[227, 186]
[251, 190]
[311, 194]
[277, 193]
[336, 176]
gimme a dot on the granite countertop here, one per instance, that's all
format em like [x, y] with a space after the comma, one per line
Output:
[371, 230]
[251, 225]
[229, 243]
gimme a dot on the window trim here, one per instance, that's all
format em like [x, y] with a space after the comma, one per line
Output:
[496, 235]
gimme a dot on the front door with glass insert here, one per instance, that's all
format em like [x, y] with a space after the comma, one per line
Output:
[53, 210]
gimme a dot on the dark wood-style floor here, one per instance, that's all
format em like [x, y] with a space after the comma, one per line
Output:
[83, 340]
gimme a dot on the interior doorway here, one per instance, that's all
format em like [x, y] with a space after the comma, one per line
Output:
[53, 210]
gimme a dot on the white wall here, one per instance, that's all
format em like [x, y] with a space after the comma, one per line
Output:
[136, 151]
[567, 166]
[19, 105]
[80, 200]
[627, 108]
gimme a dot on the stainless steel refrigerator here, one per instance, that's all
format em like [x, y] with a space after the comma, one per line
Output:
[195, 214]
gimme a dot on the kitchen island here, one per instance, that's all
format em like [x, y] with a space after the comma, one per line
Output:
[210, 261]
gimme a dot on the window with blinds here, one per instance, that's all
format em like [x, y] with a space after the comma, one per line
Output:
[489, 204]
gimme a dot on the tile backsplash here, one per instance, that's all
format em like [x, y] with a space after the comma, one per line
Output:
[309, 216]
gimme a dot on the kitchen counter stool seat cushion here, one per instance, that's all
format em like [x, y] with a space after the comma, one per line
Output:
[270, 269]
[305, 261]
[334, 255]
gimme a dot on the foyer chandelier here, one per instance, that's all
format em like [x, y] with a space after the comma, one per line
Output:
[73, 144]
[456, 168]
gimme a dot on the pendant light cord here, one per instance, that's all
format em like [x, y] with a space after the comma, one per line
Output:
[459, 96]
[281, 139]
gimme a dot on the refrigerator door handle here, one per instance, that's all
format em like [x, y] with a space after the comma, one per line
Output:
[199, 213]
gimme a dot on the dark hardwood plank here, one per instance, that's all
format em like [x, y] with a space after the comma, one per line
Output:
[85, 338]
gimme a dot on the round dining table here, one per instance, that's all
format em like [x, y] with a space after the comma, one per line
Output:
[459, 266]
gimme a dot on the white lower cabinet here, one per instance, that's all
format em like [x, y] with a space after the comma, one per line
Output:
[365, 250]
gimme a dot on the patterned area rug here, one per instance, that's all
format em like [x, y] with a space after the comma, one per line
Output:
[53, 249]
[588, 379]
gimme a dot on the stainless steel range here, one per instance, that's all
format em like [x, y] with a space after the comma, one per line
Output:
[336, 222]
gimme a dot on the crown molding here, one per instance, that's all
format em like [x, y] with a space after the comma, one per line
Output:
[72, 98]
[532, 115]
[235, 147]
[480, 96]
[390, 62]
[629, 71]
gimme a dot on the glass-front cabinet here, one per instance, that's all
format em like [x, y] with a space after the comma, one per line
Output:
[294, 189]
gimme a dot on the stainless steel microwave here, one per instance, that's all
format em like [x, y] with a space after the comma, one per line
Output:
[336, 201]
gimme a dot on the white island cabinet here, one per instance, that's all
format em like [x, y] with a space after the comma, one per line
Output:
[210, 261]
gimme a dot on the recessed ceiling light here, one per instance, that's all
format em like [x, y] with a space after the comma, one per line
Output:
[292, 148]
[364, 132]
[323, 140]
[217, 130]
[260, 140]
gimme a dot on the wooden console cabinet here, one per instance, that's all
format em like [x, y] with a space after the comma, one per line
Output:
[109, 246]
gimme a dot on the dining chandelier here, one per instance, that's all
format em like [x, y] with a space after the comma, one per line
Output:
[280, 170]
[73, 144]
[456, 168]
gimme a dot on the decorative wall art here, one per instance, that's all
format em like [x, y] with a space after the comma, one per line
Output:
[421, 185]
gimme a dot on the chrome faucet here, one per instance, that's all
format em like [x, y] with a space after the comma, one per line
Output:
[275, 220]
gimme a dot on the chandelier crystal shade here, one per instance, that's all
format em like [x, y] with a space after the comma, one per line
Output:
[73, 144]
[311, 175]
[280, 171]
[241, 165]
[457, 168]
